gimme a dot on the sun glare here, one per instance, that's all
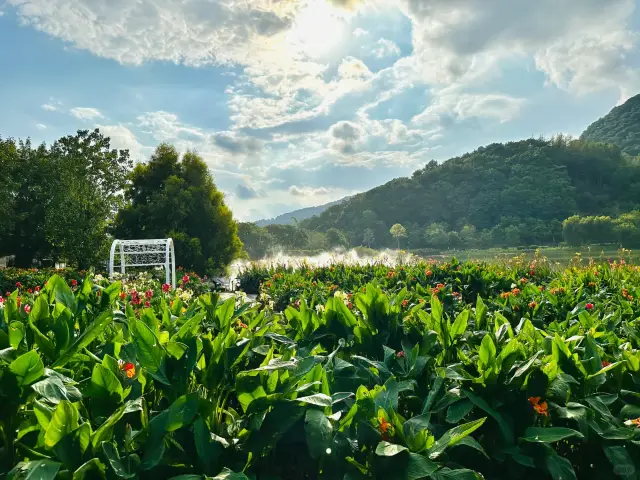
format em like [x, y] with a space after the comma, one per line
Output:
[318, 28]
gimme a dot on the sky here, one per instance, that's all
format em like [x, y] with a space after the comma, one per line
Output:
[295, 103]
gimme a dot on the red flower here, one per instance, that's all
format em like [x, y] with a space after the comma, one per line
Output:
[589, 306]
[18, 285]
[532, 272]
[349, 305]
[29, 291]
[27, 308]
[74, 282]
[605, 363]
[122, 295]
[185, 279]
[37, 289]
[147, 304]
[165, 287]
[400, 354]
[148, 293]
[129, 369]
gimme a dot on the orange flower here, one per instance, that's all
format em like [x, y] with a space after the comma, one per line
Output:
[532, 304]
[515, 291]
[440, 286]
[635, 421]
[243, 325]
[541, 408]
[428, 273]
[505, 294]
[384, 426]
[405, 303]
[605, 363]
[129, 369]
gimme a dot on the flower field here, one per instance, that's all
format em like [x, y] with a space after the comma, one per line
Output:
[406, 371]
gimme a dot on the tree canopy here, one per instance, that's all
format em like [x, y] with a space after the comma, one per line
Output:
[176, 197]
[58, 201]
[621, 127]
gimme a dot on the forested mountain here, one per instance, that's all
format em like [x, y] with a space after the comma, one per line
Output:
[621, 126]
[298, 215]
[499, 195]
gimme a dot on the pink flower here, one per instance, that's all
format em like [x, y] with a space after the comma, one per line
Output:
[589, 306]
[400, 354]
[27, 309]
[165, 287]
[185, 279]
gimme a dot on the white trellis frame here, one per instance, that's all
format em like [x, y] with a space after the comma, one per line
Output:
[145, 253]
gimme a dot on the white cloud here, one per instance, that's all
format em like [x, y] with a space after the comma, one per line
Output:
[458, 105]
[41, 126]
[386, 48]
[86, 113]
[297, 191]
[464, 40]
[49, 107]
[123, 138]
[360, 32]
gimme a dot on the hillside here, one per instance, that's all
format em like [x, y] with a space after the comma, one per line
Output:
[502, 194]
[621, 126]
[299, 215]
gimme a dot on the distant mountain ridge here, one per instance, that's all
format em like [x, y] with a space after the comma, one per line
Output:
[299, 215]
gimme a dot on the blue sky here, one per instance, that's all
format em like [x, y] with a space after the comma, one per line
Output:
[294, 103]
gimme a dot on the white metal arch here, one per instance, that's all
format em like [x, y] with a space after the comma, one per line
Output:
[145, 253]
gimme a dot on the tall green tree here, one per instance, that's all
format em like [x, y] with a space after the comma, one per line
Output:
[176, 197]
[397, 231]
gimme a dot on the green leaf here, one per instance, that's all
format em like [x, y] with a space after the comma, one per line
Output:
[472, 443]
[453, 436]
[116, 463]
[35, 470]
[419, 466]
[623, 465]
[549, 434]
[60, 292]
[319, 399]
[318, 432]
[460, 324]
[559, 467]
[16, 334]
[27, 368]
[105, 431]
[458, 474]
[150, 353]
[93, 469]
[505, 428]
[54, 390]
[227, 474]
[105, 383]
[63, 421]
[481, 313]
[182, 411]
[458, 411]
[89, 335]
[386, 449]
[487, 352]
[44, 343]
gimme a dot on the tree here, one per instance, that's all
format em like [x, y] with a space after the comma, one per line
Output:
[173, 197]
[335, 238]
[397, 231]
[257, 241]
[368, 237]
[61, 199]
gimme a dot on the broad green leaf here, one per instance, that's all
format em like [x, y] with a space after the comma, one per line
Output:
[54, 390]
[44, 343]
[93, 469]
[318, 432]
[27, 368]
[227, 474]
[89, 335]
[386, 449]
[319, 399]
[150, 353]
[481, 313]
[487, 352]
[505, 428]
[105, 431]
[116, 463]
[460, 324]
[453, 436]
[16, 334]
[105, 383]
[457, 474]
[458, 411]
[623, 465]
[35, 470]
[419, 466]
[61, 292]
[549, 434]
[63, 421]
[559, 467]
[182, 411]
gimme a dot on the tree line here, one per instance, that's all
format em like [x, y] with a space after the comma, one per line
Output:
[68, 200]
